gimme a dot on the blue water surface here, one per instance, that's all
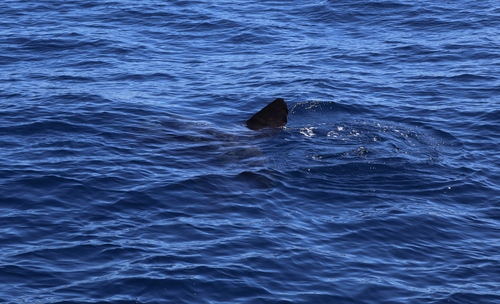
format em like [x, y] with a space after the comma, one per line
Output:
[127, 174]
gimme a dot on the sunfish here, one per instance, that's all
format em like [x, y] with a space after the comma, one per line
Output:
[274, 115]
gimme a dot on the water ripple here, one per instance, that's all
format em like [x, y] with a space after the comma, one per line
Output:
[127, 174]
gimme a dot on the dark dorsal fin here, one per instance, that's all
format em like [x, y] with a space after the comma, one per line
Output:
[273, 115]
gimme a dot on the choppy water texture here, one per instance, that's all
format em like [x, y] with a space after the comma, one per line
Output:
[127, 175]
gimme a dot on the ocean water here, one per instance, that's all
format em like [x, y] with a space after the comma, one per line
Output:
[127, 174]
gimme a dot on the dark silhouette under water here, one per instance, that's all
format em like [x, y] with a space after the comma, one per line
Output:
[274, 115]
